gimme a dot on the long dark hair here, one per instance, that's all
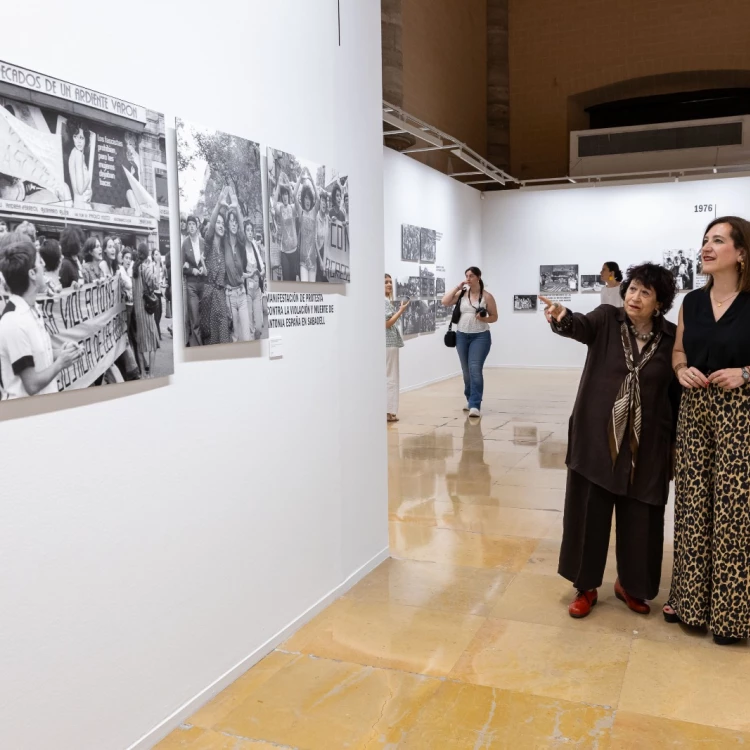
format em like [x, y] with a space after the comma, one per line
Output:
[741, 237]
[615, 270]
[88, 249]
[478, 274]
[141, 255]
[111, 263]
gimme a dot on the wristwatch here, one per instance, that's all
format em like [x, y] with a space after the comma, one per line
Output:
[746, 375]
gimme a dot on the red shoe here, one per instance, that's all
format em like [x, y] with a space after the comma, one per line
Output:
[637, 605]
[582, 604]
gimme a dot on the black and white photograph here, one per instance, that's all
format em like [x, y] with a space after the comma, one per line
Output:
[443, 314]
[426, 272]
[84, 213]
[562, 279]
[412, 318]
[440, 286]
[427, 290]
[681, 263]
[415, 287]
[410, 243]
[591, 283]
[308, 219]
[427, 245]
[701, 279]
[222, 259]
[429, 319]
[525, 302]
[403, 289]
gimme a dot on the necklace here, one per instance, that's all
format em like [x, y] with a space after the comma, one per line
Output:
[719, 304]
[641, 336]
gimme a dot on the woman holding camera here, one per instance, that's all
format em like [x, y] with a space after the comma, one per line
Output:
[620, 440]
[473, 338]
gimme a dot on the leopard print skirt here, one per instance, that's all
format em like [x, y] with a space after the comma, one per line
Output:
[711, 576]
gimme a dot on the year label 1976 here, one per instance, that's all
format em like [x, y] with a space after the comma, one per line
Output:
[704, 208]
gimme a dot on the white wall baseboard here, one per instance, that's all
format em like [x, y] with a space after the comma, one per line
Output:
[430, 382]
[161, 730]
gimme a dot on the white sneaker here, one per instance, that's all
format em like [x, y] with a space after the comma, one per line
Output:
[466, 408]
[475, 413]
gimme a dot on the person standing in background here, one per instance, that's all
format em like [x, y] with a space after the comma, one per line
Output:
[711, 359]
[52, 257]
[194, 274]
[473, 338]
[393, 342]
[71, 241]
[611, 277]
[255, 282]
[285, 213]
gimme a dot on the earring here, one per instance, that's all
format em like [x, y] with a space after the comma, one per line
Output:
[657, 313]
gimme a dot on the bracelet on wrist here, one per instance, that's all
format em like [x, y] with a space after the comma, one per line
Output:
[680, 366]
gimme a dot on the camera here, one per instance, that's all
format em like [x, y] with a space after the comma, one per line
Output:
[483, 313]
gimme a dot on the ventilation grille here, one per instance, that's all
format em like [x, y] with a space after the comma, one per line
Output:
[665, 139]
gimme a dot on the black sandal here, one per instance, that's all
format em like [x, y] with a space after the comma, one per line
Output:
[671, 617]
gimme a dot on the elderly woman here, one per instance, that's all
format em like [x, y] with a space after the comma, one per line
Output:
[621, 438]
[711, 577]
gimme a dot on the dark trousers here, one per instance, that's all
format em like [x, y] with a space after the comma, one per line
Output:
[193, 294]
[290, 266]
[587, 524]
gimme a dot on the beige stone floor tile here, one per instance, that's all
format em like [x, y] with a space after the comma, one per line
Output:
[416, 542]
[195, 738]
[532, 477]
[545, 558]
[467, 717]
[319, 704]
[679, 681]
[407, 428]
[413, 639]
[547, 661]
[544, 600]
[533, 498]
[637, 732]
[226, 701]
[481, 519]
[447, 588]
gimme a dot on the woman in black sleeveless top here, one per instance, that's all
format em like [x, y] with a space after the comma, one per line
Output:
[711, 577]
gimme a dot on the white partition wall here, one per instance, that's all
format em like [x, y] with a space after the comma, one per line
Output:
[628, 224]
[157, 539]
[421, 196]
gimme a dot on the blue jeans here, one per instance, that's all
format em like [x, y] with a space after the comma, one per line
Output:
[473, 349]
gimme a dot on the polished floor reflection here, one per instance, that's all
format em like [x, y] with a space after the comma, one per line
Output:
[462, 639]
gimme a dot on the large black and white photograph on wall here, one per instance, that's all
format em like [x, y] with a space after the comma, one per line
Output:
[412, 318]
[427, 287]
[440, 286]
[427, 245]
[308, 219]
[410, 243]
[562, 279]
[426, 272]
[525, 302]
[681, 263]
[443, 314]
[84, 238]
[429, 320]
[222, 259]
[415, 287]
[591, 283]
[402, 288]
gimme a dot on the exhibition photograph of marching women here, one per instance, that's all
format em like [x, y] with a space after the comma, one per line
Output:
[222, 258]
[84, 209]
[308, 219]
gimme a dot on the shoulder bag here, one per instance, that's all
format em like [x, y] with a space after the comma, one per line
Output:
[450, 334]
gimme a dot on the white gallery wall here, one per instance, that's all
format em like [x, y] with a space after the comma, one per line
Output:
[588, 226]
[419, 195]
[158, 537]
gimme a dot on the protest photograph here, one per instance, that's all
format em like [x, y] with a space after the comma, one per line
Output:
[427, 245]
[525, 302]
[410, 243]
[222, 258]
[84, 239]
[412, 318]
[440, 286]
[681, 264]
[562, 279]
[308, 220]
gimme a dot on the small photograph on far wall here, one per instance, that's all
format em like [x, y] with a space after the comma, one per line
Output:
[429, 322]
[402, 288]
[415, 287]
[426, 272]
[440, 287]
[443, 314]
[412, 318]
[562, 279]
[410, 243]
[428, 244]
[591, 283]
[525, 302]
[427, 288]
[700, 278]
[681, 263]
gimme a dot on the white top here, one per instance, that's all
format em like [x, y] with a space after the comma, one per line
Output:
[468, 322]
[611, 296]
[24, 343]
[196, 243]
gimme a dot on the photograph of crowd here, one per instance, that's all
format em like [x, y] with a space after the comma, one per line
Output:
[591, 283]
[405, 290]
[412, 318]
[84, 239]
[427, 245]
[426, 272]
[525, 302]
[427, 288]
[222, 261]
[410, 243]
[442, 314]
[681, 263]
[429, 319]
[440, 286]
[415, 287]
[309, 220]
[562, 279]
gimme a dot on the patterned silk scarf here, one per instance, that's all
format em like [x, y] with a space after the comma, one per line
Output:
[627, 408]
